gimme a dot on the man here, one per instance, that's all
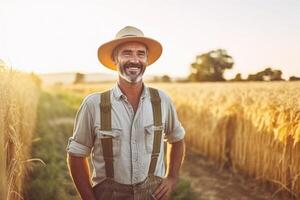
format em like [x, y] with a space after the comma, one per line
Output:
[123, 129]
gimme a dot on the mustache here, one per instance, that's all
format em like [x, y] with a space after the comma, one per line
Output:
[130, 64]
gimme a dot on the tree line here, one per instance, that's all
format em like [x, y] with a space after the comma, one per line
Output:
[210, 66]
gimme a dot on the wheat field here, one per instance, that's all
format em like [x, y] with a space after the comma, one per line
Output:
[19, 99]
[253, 128]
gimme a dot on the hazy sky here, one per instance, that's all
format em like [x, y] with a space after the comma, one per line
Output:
[64, 35]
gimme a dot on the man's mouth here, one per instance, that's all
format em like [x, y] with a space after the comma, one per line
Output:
[134, 68]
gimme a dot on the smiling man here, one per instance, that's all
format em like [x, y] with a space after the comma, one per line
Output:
[123, 129]
[131, 69]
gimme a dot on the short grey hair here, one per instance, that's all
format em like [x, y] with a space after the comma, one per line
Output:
[115, 53]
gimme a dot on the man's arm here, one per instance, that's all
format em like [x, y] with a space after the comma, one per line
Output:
[80, 173]
[175, 158]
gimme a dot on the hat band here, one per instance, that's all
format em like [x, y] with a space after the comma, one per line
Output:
[128, 35]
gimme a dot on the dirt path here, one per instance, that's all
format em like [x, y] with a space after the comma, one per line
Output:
[210, 183]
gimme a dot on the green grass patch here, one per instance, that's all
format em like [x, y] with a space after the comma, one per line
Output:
[183, 191]
[52, 181]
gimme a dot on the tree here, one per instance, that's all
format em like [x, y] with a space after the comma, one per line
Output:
[210, 66]
[276, 75]
[79, 78]
[166, 79]
[294, 78]
[267, 74]
[238, 77]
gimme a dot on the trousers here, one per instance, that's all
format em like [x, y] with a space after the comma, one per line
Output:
[111, 190]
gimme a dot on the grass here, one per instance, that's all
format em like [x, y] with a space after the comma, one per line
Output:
[52, 181]
[183, 191]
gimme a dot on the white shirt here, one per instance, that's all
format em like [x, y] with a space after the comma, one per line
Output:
[132, 133]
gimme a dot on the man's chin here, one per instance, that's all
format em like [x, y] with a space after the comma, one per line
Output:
[133, 72]
[132, 80]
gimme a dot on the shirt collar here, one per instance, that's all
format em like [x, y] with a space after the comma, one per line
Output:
[118, 94]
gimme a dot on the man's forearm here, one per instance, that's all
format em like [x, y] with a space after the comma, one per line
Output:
[79, 170]
[175, 158]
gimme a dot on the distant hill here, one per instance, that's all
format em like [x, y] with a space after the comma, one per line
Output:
[66, 78]
[69, 77]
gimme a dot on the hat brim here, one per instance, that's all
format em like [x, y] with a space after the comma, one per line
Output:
[105, 51]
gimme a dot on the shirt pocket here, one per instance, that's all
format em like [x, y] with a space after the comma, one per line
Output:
[149, 136]
[115, 134]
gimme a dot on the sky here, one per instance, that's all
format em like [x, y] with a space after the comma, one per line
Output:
[64, 35]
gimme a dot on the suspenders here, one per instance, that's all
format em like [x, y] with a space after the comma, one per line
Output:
[156, 108]
[107, 145]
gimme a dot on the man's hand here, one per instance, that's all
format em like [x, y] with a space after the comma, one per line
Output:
[80, 173]
[166, 187]
[168, 184]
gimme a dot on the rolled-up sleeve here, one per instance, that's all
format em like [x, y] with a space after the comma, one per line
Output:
[81, 143]
[174, 131]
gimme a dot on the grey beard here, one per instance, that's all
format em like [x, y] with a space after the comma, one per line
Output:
[129, 80]
[127, 77]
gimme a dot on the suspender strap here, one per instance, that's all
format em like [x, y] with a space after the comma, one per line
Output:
[108, 156]
[105, 108]
[157, 118]
[107, 145]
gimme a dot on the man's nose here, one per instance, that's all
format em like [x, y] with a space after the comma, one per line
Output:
[134, 59]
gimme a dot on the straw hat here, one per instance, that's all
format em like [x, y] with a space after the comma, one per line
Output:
[128, 34]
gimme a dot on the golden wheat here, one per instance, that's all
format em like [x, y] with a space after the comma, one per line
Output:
[18, 106]
[253, 128]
